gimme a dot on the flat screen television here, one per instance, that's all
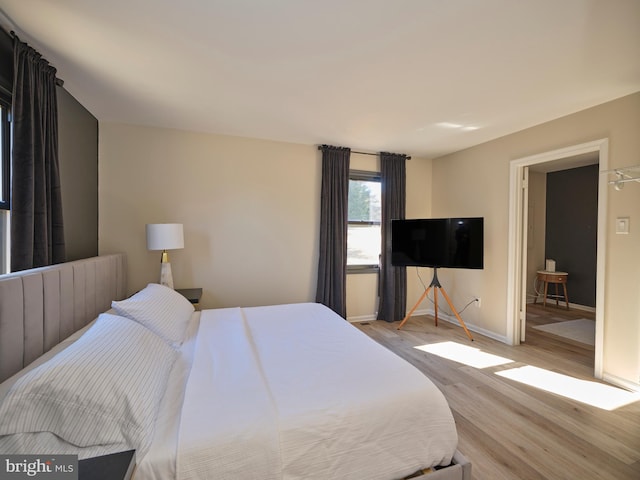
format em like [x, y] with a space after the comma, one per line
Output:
[438, 243]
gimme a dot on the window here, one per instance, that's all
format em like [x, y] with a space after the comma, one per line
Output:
[4, 152]
[363, 232]
[5, 184]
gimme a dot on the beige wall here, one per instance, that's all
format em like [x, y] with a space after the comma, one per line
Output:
[476, 182]
[250, 210]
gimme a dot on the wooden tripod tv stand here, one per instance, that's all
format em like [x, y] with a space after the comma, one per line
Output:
[435, 284]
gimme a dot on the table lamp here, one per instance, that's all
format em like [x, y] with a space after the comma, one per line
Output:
[165, 236]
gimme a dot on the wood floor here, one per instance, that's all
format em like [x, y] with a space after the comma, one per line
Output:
[510, 430]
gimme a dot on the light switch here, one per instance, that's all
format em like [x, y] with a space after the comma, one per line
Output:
[622, 225]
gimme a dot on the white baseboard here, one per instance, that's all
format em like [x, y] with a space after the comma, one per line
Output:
[621, 382]
[361, 318]
[584, 308]
[575, 306]
[447, 318]
[470, 326]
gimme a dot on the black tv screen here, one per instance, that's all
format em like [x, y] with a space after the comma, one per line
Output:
[438, 243]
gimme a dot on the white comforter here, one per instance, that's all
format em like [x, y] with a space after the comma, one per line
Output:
[295, 392]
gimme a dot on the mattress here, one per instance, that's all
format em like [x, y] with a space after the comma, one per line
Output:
[295, 392]
[160, 461]
[287, 392]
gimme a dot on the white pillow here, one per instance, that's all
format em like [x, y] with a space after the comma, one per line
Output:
[161, 309]
[104, 389]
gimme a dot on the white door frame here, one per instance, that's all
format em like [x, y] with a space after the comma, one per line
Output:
[517, 237]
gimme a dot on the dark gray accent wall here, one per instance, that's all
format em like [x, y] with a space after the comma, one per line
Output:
[6, 62]
[78, 154]
[572, 229]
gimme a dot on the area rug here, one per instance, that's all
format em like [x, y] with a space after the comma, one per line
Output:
[582, 330]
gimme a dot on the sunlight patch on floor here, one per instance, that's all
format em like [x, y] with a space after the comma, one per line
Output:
[473, 357]
[591, 393]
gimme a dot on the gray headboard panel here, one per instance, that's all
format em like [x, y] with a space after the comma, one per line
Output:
[41, 307]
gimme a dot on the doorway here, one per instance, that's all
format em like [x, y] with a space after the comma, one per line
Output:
[570, 157]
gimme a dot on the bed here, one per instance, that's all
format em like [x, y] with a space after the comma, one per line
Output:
[283, 391]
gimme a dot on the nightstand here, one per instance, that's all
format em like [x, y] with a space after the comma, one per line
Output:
[117, 466]
[192, 294]
[557, 278]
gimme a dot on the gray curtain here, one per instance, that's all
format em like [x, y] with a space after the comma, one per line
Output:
[334, 204]
[37, 235]
[393, 280]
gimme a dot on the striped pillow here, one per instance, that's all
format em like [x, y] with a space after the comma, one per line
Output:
[161, 309]
[104, 389]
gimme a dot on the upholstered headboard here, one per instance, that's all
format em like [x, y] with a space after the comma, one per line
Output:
[41, 307]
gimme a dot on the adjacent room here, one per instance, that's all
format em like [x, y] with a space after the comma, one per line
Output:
[313, 240]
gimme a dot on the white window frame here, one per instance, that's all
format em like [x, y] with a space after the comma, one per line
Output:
[5, 182]
[367, 176]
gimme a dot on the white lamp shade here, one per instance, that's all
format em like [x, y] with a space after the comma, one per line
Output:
[164, 236]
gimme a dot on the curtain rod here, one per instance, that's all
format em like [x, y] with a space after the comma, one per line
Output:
[320, 147]
[5, 21]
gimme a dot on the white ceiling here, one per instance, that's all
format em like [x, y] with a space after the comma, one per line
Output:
[367, 74]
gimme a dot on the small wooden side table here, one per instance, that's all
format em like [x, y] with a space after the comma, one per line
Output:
[192, 294]
[557, 278]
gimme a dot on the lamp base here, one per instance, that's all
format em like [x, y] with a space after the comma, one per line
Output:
[166, 278]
